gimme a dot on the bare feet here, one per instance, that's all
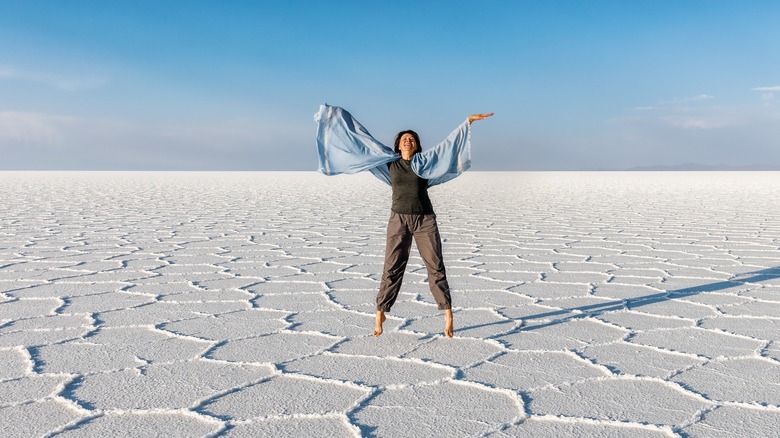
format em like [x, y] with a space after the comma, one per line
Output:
[448, 330]
[380, 319]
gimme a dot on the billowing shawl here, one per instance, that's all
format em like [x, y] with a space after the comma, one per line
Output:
[345, 146]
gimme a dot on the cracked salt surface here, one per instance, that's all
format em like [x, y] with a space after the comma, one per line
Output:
[241, 304]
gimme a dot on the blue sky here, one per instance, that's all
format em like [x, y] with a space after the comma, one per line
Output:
[192, 85]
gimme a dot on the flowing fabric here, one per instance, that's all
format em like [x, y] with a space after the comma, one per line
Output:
[345, 146]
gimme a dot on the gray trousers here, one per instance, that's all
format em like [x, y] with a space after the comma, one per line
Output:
[400, 230]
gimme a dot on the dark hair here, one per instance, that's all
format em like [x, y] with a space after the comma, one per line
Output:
[401, 134]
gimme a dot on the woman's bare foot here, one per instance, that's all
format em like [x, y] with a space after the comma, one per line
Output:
[448, 330]
[380, 319]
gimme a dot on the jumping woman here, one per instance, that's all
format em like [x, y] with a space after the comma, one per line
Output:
[344, 146]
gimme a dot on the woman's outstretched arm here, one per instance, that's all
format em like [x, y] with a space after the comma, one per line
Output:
[482, 116]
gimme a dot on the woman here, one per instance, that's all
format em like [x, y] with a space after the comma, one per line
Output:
[346, 147]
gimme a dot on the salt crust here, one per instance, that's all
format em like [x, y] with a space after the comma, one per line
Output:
[241, 304]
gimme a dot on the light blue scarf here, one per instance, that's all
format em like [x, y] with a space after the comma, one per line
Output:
[345, 146]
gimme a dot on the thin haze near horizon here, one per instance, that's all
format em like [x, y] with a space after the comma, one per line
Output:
[207, 85]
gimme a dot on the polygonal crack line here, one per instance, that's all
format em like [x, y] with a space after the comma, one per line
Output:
[517, 328]
[143, 365]
[5, 297]
[490, 359]
[199, 407]
[28, 357]
[289, 324]
[253, 301]
[97, 413]
[37, 364]
[518, 325]
[579, 355]
[524, 325]
[765, 353]
[297, 416]
[687, 390]
[759, 351]
[65, 302]
[629, 332]
[348, 266]
[68, 388]
[9, 322]
[160, 327]
[371, 393]
[75, 424]
[568, 419]
[426, 335]
[629, 339]
[172, 335]
[334, 338]
[136, 306]
[328, 293]
[210, 350]
[697, 417]
[426, 339]
[361, 404]
[693, 321]
[518, 397]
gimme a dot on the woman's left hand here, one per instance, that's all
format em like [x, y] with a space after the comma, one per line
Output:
[482, 116]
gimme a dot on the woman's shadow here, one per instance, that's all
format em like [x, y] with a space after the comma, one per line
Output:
[633, 303]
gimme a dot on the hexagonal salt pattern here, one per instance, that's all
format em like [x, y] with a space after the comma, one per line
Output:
[242, 304]
[629, 400]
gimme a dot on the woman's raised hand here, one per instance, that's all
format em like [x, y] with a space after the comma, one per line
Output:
[482, 116]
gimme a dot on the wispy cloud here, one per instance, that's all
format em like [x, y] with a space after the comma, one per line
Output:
[775, 88]
[703, 112]
[61, 82]
[699, 97]
[700, 113]
[697, 123]
[768, 94]
[673, 104]
[680, 100]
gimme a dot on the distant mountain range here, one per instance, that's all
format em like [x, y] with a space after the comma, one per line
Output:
[689, 167]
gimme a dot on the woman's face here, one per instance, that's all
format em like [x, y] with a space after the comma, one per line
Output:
[407, 145]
